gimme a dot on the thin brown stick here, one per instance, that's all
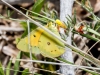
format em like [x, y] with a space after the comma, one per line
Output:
[89, 52]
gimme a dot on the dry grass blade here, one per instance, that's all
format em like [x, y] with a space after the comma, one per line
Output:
[53, 63]
[53, 72]
[18, 29]
[29, 46]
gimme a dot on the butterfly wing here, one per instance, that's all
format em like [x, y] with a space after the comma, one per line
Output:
[34, 37]
[49, 45]
[42, 42]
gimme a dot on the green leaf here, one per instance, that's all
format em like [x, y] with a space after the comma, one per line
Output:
[97, 26]
[37, 74]
[32, 26]
[25, 72]
[69, 19]
[8, 66]
[74, 17]
[28, 55]
[1, 69]
[17, 40]
[9, 13]
[16, 65]
[40, 19]
[37, 6]
[91, 26]
[88, 36]
[83, 1]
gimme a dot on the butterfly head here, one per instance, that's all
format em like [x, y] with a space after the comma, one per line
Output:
[60, 24]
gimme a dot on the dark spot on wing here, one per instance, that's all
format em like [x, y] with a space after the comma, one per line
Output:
[39, 41]
[51, 51]
[48, 43]
[34, 35]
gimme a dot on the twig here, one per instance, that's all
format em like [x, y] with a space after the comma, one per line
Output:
[53, 72]
[29, 46]
[53, 63]
[89, 52]
[39, 15]
[6, 61]
[8, 18]
[76, 68]
[90, 49]
[18, 1]
[93, 45]
[2, 44]
[9, 51]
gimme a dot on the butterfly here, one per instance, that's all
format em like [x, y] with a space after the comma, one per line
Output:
[42, 42]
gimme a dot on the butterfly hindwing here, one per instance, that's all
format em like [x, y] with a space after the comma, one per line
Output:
[49, 45]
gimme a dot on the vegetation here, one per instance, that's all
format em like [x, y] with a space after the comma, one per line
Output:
[41, 20]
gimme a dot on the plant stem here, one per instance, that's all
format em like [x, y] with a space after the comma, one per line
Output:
[65, 10]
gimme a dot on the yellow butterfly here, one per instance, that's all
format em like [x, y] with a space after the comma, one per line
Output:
[42, 42]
